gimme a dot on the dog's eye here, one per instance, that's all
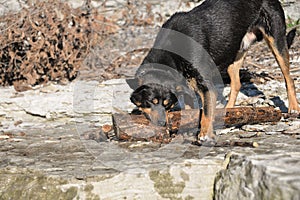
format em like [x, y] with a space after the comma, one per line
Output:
[155, 101]
[166, 102]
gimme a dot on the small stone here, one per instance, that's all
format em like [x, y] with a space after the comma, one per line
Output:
[259, 134]
[255, 144]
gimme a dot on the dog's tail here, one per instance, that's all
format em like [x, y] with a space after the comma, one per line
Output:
[290, 37]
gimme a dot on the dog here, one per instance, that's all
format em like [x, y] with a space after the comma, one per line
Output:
[225, 29]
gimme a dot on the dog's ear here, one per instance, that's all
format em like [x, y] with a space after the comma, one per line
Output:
[136, 98]
[133, 83]
[140, 94]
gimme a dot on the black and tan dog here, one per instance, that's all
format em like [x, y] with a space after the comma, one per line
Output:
[225, 29]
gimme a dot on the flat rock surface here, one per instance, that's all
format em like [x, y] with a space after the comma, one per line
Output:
[53, 142]
[62, 137]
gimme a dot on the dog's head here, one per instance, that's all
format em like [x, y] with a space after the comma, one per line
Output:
[154, 100]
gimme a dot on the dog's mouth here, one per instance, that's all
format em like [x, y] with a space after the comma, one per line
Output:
[156, 114]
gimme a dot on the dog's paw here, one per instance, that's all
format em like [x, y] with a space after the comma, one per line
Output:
[205, 141]
[294, 107]
[294, 111]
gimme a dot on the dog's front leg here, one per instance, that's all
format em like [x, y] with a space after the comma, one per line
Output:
[208, 99]
[208, 96]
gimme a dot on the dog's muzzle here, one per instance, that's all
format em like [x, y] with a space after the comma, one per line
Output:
[157, 115]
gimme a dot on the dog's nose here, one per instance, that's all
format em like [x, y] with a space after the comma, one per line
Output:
[161, 123]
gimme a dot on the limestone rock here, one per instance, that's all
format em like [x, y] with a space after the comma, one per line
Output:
[262, 176]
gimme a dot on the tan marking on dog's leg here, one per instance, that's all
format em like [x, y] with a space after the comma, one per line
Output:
[208, 115]
[234, 74]
[283, 61]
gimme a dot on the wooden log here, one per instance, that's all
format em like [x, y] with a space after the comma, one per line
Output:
[138, 128]
[251, 115]
[291, 115]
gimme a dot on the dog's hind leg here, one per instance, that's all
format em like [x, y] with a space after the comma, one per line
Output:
[234, 74]
[282, 57]
[273, 27]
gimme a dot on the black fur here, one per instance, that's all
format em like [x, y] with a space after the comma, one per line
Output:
[290, 37]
